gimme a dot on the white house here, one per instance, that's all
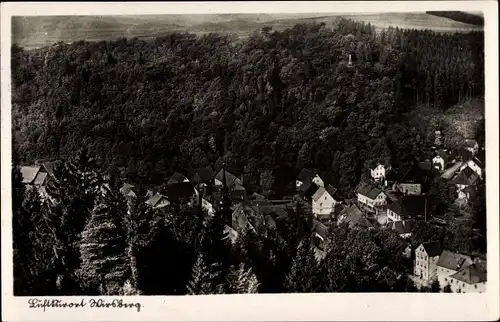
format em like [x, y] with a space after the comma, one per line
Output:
[476, 165]
[470, 279]
[325, 200]
[448, 264]
[472, 146]
[440, 160]
[426, 258]
[306, 176]
[370, 196]
[378, 172]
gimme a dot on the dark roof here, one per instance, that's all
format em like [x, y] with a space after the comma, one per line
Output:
[334, 192]
[392, 175]
[176, 178]
[368, 190]
[402, 226]
[320, 229]
[425, 165]
[50, 166]
[411, 206]
[231, 179]
[201, 175]
[353, 216]
[257, 196]
[432, 248]
[454, 261]
[308, 189]
[478, 162]
[462, 179]
[305, 175]
[472, 274]
[465, 154]
[179, 190]
[416, 174]
[469, 173]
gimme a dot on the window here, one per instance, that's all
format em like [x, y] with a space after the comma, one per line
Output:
[475, 285]
[445, 279]
[325, 197]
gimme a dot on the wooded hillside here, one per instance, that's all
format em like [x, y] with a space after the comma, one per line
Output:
[276, 101]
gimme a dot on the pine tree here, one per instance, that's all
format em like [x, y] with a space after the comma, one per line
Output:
[204, 278]
[242, 280]
[303, 276]
[105, 267]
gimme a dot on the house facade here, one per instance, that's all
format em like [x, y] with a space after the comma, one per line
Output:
[426, 258]
[440, 160]
[448, 264]
[472, 146]
[370, 196]
[378, 172]
[475, 166]
[471, 279]
[324, 200]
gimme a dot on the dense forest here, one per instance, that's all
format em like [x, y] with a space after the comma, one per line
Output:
[278, 101]
[460, 16]
[273, 103]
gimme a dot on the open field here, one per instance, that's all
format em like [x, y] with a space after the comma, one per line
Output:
[34, 32]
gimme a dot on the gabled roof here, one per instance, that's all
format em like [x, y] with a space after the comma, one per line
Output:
[416, 174]
[318, 193]
[353, 216]
[307, 189]
[334, 192]
[29, 173]
[453, 261]
[126, 190]
[411, 206]
[40, 178]
[402, 226]
[478, 162]
[50, 166]
[465, 154]
[472, 274]
[231, 179]
[432, 248]
[155, 199]
[320, 229]
[368, 190]
[305, 175]
[469, 173]
[230, 234]
[448, 173]
[176, 178]
[462, 179]
[257, 196]
[201, 175]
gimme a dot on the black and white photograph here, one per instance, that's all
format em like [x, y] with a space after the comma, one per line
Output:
[248, 153]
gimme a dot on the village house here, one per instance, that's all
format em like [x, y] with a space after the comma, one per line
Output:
[370, 196]
[177, 178]
[324, 200]
[441, 160]
[472, 146]
[305, 177]
[450, 263]
[127, 191]
[231, 180]
[426, 258]
[465, 183]
[414, 180]
[157, 201]
[470, 279]
[353, 217]
[402, 227]
[378, 171]
[475, 164]
[409, 207]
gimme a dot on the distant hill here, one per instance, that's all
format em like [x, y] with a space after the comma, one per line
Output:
[470, 18]
[35, 32]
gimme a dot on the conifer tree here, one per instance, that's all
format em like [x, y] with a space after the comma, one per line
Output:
[242, 280]
[205, 278]
[303, 276]
[105, 267]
